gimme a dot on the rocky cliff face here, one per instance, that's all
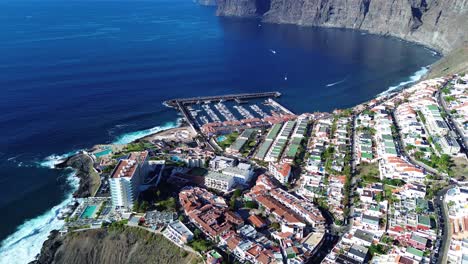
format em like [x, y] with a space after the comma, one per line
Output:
[440, 24]
[89, 179]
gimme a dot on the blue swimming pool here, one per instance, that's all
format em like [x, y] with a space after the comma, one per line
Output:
[103, 153]
[88, 212]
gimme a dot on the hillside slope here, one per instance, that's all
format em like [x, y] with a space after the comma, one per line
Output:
[454, 62]
[101, 246]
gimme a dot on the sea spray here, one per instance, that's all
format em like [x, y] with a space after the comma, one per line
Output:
[26, 242]
[132, 136]
[54, 159]
[412, 79]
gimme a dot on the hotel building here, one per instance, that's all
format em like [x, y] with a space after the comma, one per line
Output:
[126, 178]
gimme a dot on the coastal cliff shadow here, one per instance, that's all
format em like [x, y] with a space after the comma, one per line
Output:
[346, 45]
[262, 6]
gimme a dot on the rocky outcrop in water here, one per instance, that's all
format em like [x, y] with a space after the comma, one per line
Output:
[440, 24]
[89, 179]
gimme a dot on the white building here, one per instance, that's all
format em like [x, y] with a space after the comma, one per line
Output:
[220, 163]
[242, 173]
[449, 145]
[177, 232]
[219, 181]
[280, 171]
[126, 178]
[434, 121]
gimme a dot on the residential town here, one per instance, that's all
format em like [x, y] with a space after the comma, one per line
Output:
[383, 182]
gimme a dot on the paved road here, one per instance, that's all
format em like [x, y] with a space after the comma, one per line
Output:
[444, 240]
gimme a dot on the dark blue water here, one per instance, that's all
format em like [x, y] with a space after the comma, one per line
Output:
[76, 73]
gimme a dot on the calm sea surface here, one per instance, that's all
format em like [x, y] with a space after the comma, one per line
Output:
[77, 73]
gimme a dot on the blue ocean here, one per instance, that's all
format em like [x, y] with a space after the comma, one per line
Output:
[77, 73]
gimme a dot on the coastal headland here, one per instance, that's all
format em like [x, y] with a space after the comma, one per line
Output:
[293, 157]
[93, 171]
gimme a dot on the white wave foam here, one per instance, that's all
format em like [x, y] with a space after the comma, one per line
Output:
[26, 242]
[412, 79]
[132, 136]
[54, 159]
[12, 158]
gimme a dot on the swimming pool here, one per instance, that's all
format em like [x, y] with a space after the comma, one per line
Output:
[221, 138]
[88, 212]
[103, 153]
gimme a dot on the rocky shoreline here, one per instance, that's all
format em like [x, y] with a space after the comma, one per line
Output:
[440, 25]
[83, 164]
[84, 171]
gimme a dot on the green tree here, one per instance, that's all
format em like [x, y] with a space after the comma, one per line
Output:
[379, 197]
[232, 203]
[196, 233]
[275, 225]
[181, 218]
[136, 206]
[143, 207]
[251, 204]
[237, 193]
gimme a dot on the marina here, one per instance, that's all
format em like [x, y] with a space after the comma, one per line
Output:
[244, 112]
[227, 109]
[238, 97]
[225, 112]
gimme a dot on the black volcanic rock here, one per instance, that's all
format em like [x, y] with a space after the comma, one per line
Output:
[83, 164]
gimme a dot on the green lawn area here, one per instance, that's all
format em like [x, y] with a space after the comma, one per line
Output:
[229, 140]
[137, 146]
[368, 172]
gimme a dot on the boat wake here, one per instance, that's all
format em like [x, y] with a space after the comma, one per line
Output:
[412, 79]
[335, 83]
[273, 51]
[26, 242]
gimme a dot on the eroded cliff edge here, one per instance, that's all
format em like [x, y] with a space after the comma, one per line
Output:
[439, 24]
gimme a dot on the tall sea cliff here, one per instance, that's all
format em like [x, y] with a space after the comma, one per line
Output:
[439, 24]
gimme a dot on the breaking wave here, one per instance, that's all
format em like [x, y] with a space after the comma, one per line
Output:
[412, 79]
[132, 136]
[26, 242]
[54, 159]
